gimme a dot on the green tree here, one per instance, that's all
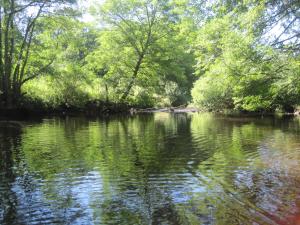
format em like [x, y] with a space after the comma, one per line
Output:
[237, 67]
[18, 20]
[140, 47]
[64, 44]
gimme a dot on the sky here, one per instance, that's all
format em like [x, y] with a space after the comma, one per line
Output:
[84, 5]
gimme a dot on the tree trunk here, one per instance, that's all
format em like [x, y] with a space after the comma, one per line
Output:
[133, 78]
[141, 56]
[1, 58]
[106, 92]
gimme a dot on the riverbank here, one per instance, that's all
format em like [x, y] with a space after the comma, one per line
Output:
[166, 109]
[93, 108]
[100, 108]
[225, 113]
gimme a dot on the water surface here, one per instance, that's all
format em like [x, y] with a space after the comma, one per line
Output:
[150, 169]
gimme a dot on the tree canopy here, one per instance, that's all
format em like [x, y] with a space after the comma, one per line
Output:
[217, 55]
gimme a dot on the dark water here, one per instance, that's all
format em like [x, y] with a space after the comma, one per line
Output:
[150, 169]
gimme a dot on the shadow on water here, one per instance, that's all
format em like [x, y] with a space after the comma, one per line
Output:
[159, 168]
[10, 134]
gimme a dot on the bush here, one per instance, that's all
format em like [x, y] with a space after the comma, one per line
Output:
[212, 94]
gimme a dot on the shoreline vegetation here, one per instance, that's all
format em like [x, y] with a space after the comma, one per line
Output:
[222, 56]
[99, 109]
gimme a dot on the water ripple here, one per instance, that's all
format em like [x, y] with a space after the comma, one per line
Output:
[151, 169]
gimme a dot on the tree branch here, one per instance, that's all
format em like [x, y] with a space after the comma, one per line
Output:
[38, 72]
[29, 43]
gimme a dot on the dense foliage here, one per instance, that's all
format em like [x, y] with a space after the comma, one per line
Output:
[239, 70]
[217, 55]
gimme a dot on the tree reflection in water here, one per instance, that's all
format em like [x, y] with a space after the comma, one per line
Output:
[151, 169]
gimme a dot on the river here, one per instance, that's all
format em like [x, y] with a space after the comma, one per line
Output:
[159, 168]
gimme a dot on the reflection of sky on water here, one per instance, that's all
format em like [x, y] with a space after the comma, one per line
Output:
[160, 170]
